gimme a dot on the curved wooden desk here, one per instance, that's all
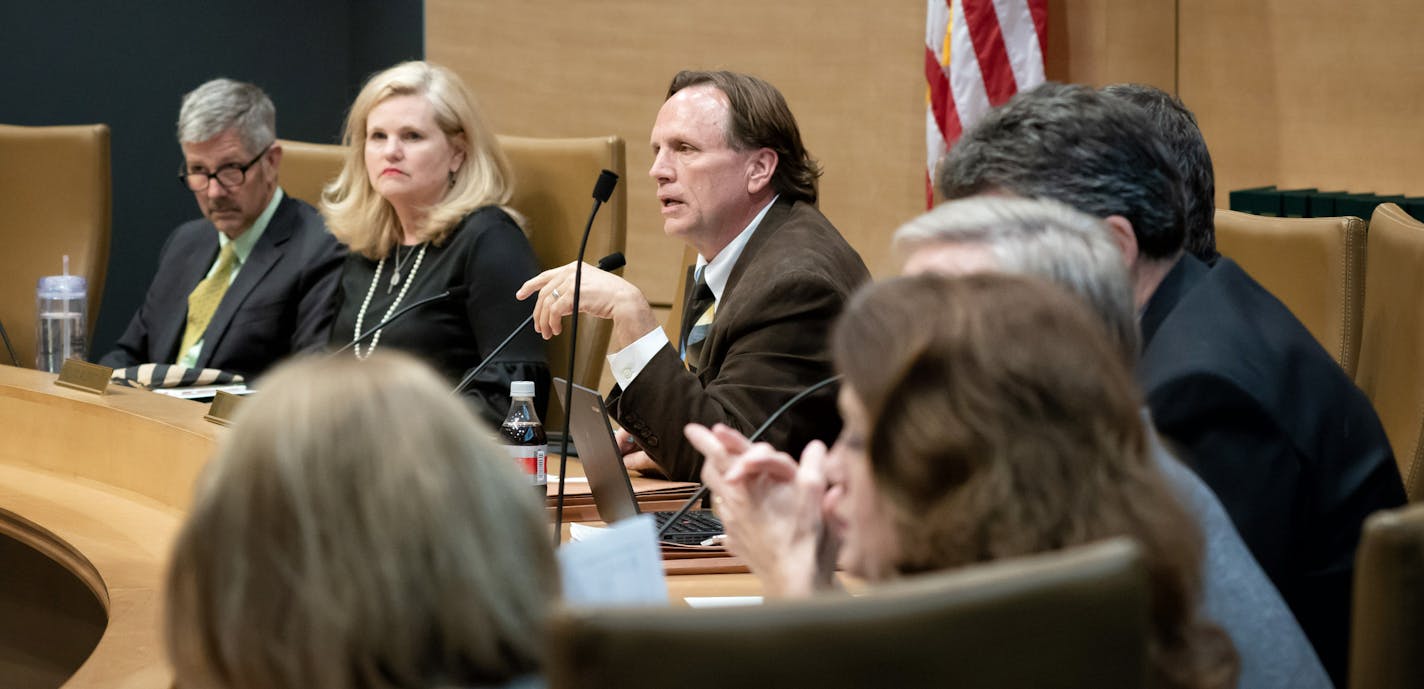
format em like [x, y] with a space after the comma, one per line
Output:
[98, 486]
[92, 492]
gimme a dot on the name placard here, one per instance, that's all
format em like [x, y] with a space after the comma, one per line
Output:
[82, 375]
[223, 407]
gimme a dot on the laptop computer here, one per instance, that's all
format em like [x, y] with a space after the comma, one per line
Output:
[608, 480]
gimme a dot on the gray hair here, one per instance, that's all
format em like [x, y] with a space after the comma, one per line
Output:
[223, 104]
[1069, 143]
[1179, 130]
[1042, 238]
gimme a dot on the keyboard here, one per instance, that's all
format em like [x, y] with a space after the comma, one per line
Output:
[692, 529]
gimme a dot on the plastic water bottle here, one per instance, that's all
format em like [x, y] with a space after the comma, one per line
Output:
[61, 305]
[523, 435]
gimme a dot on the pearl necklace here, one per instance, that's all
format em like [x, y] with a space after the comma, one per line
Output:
[361, 315]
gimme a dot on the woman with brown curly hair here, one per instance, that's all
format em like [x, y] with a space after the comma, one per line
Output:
[986, 416]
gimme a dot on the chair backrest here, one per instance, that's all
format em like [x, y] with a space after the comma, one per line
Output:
[307, 167]
[1391, 367]
[1387, 644]
[1315, 266]
[673, 324]
[553, 190]
[1075, 618]
[56, 198]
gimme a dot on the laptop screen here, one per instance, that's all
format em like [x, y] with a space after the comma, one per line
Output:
[598, 451]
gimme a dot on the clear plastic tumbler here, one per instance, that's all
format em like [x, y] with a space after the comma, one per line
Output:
[62, 307]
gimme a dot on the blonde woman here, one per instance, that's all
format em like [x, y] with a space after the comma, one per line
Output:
[419, 202]
[327, 547]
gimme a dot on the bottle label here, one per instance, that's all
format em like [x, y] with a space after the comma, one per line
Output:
[530, 460]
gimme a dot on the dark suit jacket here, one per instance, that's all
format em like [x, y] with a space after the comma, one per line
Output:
[281, 301]
[767, 342]
[1275, 427]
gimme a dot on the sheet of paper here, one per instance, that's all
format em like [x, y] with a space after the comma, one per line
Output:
[554, 478]
[579, 531]
[617, 566]
[721, 601]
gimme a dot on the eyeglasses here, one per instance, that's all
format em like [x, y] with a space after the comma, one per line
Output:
[229, 176]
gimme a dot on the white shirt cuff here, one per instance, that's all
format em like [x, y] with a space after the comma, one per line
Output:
[629, 361]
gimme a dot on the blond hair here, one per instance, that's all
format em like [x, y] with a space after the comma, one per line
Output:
[364, 221]
[358, 528]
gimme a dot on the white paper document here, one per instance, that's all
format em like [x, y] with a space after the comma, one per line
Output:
[721, 601]
[617, 566]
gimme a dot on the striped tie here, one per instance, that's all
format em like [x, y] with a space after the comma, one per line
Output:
[696, 321]
[204, 300]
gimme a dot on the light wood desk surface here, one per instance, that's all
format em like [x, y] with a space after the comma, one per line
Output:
[100, 484]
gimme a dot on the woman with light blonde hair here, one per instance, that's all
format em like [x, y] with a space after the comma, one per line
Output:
[420, 204]
[327, 547]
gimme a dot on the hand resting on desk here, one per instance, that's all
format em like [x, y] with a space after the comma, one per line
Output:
[634, 458]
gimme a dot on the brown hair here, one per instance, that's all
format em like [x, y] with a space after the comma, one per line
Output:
[358, 529]
[761, 119]
[1007, 424]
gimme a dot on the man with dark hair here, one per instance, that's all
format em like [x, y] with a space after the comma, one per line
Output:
[1264, 415]
[735, 183]
[1178, 128]
[254, 279]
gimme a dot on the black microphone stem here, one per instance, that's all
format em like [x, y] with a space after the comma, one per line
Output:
[569, 382]
[602, 189]
[702, 490]
[452, 292]
[608, 263]
[6, 336]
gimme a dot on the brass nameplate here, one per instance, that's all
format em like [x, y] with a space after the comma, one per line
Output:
[82, 375]
[223, 407]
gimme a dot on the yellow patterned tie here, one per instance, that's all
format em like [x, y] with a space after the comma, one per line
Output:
[204, 300]
[698, 315]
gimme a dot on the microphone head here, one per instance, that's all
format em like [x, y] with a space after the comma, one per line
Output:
[603, 188]
[458, 292]
[611, 262]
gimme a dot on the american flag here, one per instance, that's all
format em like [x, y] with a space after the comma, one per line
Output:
[978, 54]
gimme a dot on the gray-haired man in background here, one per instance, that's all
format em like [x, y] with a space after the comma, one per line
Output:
[253, 280]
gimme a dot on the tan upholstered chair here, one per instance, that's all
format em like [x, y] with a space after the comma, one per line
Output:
[307, 167]
[1387, 646]
[553, 190]
[1076, 618]
[1391, 367]
[673, 324]
[55, 199]
[1316, 266]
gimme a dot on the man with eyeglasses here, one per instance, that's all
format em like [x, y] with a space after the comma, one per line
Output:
[253, 280]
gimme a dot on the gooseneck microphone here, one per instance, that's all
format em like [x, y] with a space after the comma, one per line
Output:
[702, 490]
[608, 264]
[602, 191]
[456, 292]
[6, 336]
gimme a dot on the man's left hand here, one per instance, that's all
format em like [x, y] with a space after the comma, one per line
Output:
[603, 295]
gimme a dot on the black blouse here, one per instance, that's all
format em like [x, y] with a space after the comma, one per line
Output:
[488, 253]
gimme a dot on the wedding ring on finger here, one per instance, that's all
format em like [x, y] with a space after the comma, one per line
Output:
[555, 293]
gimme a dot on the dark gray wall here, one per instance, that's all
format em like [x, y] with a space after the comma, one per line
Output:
[128, 64]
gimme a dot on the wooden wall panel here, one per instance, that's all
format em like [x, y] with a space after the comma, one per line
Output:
[1101, 42]
[1307, 93]
[852, 72]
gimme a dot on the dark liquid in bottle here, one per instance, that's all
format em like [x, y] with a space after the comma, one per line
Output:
[526, 433]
